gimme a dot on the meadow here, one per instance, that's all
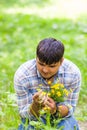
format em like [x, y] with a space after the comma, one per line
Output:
[22, 25]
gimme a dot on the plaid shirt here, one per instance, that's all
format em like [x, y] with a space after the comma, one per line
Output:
[27, 79]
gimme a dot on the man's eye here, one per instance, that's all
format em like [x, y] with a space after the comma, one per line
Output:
[52, 66]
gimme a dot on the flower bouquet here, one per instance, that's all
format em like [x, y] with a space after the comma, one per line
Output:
[58, 93]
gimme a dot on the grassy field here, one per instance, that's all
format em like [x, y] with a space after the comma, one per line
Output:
[22, 25]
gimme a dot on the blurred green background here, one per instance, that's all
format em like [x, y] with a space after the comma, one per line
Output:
[23, 23]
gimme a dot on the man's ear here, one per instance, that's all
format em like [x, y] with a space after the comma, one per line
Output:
[61, 61]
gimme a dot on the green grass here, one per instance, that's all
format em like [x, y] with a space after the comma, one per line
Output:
[20, 32]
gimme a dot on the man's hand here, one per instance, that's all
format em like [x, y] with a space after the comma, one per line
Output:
[37, 103]
[51, 104]
[40, 100]
[63, 110]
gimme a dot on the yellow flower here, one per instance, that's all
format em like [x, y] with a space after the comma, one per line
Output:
[52, 91]
[43, 93]
[49, 94]
[49, 82]
[61, 85]
[46, 108]
[66, 92]
[55, 86]
[58, 94]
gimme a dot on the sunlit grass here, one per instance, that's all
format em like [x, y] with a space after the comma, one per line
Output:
[52, 9]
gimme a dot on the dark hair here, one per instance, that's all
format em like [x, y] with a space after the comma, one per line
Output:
[50, 50]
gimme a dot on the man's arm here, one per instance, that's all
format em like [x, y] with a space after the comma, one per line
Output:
[24, 98]
[67, 108]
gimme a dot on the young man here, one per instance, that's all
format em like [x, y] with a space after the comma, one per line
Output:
[49, 65]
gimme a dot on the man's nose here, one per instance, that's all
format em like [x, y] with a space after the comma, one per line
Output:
[45, 69]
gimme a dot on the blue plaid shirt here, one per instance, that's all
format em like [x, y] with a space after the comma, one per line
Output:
[27, 79]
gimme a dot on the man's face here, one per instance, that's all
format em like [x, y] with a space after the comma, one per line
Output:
[47, 71]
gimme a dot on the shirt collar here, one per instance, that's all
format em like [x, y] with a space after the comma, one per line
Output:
[38, 74]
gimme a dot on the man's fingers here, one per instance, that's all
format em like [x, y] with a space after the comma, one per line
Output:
[50, 100]
[46, 102]
[36, 95]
